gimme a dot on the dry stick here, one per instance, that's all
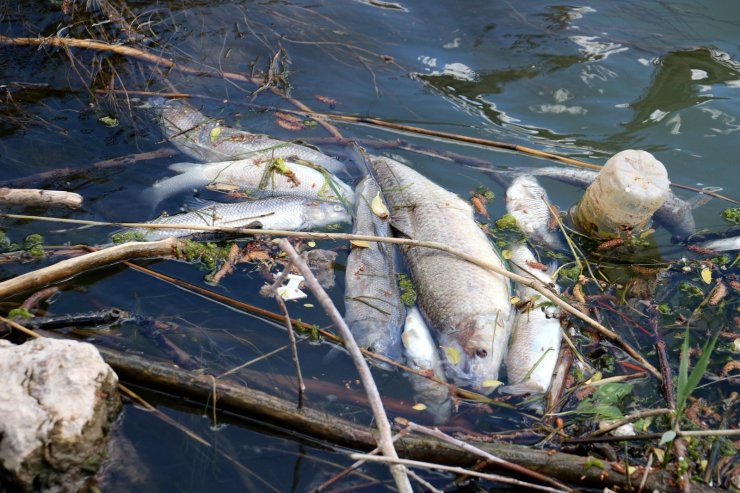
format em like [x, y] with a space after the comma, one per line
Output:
[344, 472]
[630, 419]
[34, 197]
[376, 404]
[456, 470]
[421, 481]
[70, 267]
[435, 432]
[529, 282]
[291, 336]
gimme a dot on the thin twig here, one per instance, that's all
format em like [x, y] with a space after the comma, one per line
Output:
[348, 470]
[630, 419]
[435, 432]
[456, 470]
[529, 282]
[376, 404]
[273, 289]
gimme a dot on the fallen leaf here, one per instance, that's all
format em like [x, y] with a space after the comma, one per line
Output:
[378, 207]
[706, 275]
[453, 355]
[419, 407]
[359, 243]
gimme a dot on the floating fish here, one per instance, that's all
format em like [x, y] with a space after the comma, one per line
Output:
[535, 337]
[527, 203]
[467, 305]
[205, 139]
[256, 177]
[675, 213]
[422, 355]
[373, 308]
[288, 213]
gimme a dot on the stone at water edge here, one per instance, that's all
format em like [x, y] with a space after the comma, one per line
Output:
[58, 401]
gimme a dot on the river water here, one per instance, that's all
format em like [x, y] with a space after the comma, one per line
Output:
[583, 81]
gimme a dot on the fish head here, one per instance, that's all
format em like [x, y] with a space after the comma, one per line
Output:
[324, 213]
[473, 351]
[374, 336]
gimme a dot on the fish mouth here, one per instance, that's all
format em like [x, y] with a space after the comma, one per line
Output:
[382, 343]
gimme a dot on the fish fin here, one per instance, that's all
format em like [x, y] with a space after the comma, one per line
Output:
[701, 199]
[184, 167]
[526, 387]
[401, 224]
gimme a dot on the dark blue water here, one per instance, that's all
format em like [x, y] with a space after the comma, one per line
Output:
[583, 81]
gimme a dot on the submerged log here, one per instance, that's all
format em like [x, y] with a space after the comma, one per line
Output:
[36, 197]
[317, 424]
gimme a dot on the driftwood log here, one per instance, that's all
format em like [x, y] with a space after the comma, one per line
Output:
[242, 401]
[36, 197]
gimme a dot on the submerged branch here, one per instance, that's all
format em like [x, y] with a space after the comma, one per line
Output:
[316, 424]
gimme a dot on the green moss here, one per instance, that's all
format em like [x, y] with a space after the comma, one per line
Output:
[126, 236]
[19, 312]
[485, 193]
[408, 294]
[731, 214]
[507, 221]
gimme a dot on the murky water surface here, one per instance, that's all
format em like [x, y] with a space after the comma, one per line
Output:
[584, 81]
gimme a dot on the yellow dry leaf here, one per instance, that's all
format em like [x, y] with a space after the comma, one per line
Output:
[706, 275]
[418, 407]
[594, 378]
[514, 300]
[378, 207]
[215, 132]
[659, 454]
[490, 384]
[359, 243]
[453, 355]
[506, 254]
[631, 470]
[311, 244]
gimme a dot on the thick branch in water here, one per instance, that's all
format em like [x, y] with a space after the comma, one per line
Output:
[244, 401]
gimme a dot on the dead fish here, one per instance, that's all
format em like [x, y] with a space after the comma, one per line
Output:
[373, 308]
[467, 306]
[527, 202]
[289, 213]
[535, 337]
[206, 140]
[257, 177]
[422, 355]
[675, 213]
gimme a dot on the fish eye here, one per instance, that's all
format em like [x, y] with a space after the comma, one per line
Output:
[370, 349]
[338, 208]
[481, 353]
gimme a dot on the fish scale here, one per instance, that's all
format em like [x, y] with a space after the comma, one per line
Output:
[468, 306]
[205, 139]
[373, 308]
[288, 213]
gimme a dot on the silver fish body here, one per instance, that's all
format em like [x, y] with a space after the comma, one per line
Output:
[288, 213]
[373, 308]
[204, 139]
[466, 305]
[535, 337]
[256, 177]
[422, 355]
[675, 213]
[527, 202]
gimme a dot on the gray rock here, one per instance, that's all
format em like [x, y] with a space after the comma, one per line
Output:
[58, 401]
